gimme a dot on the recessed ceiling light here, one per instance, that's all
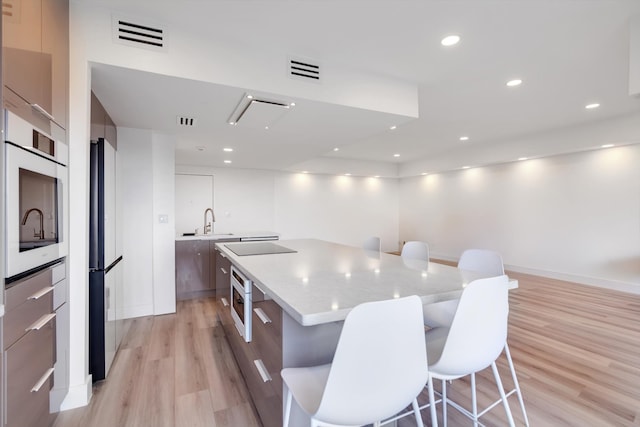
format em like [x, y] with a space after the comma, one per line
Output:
[450, 40]
[292, 104]
[523, 158]
[376, 176]
[250, 96]
[607, 146]
[396, 155]
[336, 149]
[424, 173]
[464, 138]
[393, 127]
[347, 174]
[592, 106]
[232, 123]
[514, 82]
[305, 171]
[266, 128]
[227, 161]
[227, 149]
[466, 167]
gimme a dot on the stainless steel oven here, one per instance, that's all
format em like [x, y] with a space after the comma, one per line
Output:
[36, 193]
[241, 303]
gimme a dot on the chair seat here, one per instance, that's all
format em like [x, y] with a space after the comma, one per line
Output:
[309, 384]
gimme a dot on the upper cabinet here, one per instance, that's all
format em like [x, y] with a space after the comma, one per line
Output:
[35, 49]
[101, 124]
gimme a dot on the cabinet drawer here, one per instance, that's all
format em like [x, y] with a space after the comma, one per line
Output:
[29, 377]
[267, 334]
[17, 322]
[24, 289]
[59, 294]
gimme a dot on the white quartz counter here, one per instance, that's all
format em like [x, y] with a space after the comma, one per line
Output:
[243, 235]
[323, 281]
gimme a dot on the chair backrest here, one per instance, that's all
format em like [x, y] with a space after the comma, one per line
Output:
[482, 261]
[478, 332]
[372, 244]
[415, 250]
[380, 363]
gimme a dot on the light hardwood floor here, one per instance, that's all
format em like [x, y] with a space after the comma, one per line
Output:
[576, 349]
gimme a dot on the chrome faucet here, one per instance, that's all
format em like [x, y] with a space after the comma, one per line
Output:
[208, 227]
[40, 235]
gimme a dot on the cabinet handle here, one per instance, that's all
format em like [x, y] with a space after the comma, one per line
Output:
[36, 388]
[224, 302]
[44, 112]
[40, 322]
[42, 292]
[222, 255]
[223, 270]
[262, 315]
[262, 370]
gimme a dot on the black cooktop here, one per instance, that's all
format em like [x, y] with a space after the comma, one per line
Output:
[257, 248]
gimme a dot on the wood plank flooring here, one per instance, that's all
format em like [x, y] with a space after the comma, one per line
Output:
[576, 349]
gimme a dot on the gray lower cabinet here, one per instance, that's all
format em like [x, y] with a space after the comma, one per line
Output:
[260, 361]
[196, 272]
[30, 349]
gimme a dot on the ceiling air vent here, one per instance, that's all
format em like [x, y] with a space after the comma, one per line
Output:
[134, 32]
[186, 121]
[304, 69]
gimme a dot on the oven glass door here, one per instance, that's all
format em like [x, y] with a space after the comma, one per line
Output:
[35, 199]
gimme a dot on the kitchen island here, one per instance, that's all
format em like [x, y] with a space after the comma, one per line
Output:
[300, 299]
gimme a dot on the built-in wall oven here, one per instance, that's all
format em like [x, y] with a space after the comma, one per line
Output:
[241, 303]
[36, 190]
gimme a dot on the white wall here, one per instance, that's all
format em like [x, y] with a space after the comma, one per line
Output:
[337, 208]
[574, 217]
[164, 283]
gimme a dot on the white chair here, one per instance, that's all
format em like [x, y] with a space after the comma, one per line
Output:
[372, 244]
[480, 260]
[441, 314]
[473, 342]
[379, 368]
[415, 250]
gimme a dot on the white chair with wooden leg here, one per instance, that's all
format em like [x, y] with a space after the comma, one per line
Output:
[415, 250]
[473, 342]
[441, 314]
[379, 368]
[372, 244]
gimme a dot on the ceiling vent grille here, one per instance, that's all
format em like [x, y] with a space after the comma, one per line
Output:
[304, 69]
[185, 121]
[134, 32]
[11, 10]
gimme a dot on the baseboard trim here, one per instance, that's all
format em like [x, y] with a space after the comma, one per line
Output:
[614, 285]
[79, 395]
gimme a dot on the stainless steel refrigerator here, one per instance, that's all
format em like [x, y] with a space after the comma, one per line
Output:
[105, 263]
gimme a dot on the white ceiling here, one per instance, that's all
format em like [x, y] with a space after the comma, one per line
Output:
[568, 53]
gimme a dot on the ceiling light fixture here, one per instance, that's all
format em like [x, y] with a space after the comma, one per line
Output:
[464, 138]
[250, 96]
[336, 149]
[424, 173]
[293, 104]
[394, 127]
[523, 158]
[592, 106]
[396, 155]
[347, 174]
[450, 40]
[514, 82]
[266, 128]
[232, 123]
[227, 149]
[607, 146]
[466, 167]
[227, 161]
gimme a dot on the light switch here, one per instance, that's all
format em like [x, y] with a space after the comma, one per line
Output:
[163, 219]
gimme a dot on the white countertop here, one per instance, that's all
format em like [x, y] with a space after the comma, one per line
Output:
[323, 281]
[233, 235]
